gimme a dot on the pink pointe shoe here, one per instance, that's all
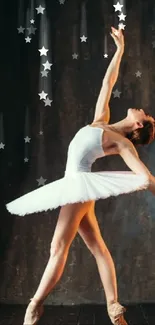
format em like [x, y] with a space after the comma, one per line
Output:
[115, 312]
[33, 313]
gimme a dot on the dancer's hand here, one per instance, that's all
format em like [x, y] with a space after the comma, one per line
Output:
[118, 37]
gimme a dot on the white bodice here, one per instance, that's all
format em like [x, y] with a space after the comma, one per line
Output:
[84, 149]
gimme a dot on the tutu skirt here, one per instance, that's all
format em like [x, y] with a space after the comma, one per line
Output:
[77, 187]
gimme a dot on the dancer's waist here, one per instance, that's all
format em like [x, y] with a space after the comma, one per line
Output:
[72, 171]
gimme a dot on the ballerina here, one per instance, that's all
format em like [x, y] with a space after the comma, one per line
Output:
[78, 190]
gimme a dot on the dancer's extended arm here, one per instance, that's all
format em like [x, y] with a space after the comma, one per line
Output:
[130, 156]
[102, 111]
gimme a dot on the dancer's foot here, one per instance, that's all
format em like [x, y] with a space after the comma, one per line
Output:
[115, 312]
[33, 312]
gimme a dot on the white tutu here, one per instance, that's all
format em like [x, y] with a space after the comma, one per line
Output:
[79, 184]
[78, 187]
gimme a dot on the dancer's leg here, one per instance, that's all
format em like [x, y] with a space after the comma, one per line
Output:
[90, 233]
[68, 222]
[65, 231]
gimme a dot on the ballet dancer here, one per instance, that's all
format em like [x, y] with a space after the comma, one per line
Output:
[78, 190]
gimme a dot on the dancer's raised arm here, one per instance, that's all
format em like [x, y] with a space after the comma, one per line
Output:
[102, 111]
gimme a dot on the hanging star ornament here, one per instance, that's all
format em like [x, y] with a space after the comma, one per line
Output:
[26, 159]
[43, 51]
[75, 56]
[105, 56]
[138, 74]
[28, 39]
[61, 2]
[21, 30]
[27, 139]
[83, 38]
[47, 65]
[48, 102]
[41, 181]
[40, 10]
[42, 95]
[121, 16]
[31, 30]
[44, 73]
[2, 145]
[116, 93]
[121, 26]
[32, 21]
[118, 7]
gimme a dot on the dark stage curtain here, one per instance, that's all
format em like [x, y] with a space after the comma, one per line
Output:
[127, 222]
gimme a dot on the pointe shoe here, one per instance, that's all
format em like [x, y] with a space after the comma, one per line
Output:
[33, 313]
[115, 312]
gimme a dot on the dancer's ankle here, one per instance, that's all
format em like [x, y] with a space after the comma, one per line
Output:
[36, 301]
[111, 302]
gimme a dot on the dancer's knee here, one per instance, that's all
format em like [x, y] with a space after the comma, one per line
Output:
[58, 248]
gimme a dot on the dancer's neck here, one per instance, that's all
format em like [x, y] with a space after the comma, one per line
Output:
[123, 127]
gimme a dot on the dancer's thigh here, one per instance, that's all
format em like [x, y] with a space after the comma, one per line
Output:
[68, 222]
[90, 232]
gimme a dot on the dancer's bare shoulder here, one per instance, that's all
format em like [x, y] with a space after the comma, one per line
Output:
[112, 141]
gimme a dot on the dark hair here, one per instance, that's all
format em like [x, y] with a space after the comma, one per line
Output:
[143, 135]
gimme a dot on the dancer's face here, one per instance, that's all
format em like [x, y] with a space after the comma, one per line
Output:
[138, 116]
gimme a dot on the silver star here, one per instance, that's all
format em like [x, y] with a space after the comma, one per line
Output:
[121, 16]
[32, 21]
[31, 30]
[121, 26]
[75, 56]
[26, 159]
[83, 38]
[43, 51]
[27, 139]
[2, 145]
[28, 39]
[41, 181]
[105, 56]
[40, 10]
[47, 65]
[61, 2]
[44, 73]
[153, 43]
[41, 132]
[138, 74]
[118, 7]
[116, 93]
[42, 95]
[20, 30]
[48, 102]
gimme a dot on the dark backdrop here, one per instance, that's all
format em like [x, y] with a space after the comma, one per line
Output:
[127, 222]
